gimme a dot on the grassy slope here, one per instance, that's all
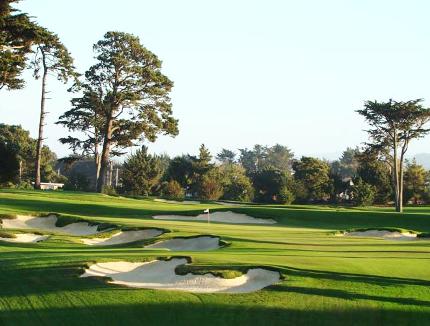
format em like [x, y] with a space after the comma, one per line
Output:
[328, 280]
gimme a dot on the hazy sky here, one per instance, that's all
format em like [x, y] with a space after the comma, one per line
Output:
[247, 72]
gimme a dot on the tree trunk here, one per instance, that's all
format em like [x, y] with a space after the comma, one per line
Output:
[396, 176]
[96, 159]
[41, 125]
[96, 151]
[20, 171]
[400, 210]
[402, 157]
[105, 156]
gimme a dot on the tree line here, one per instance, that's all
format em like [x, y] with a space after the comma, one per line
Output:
[267, 174]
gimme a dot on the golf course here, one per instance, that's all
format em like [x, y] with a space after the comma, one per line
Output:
[325, 278]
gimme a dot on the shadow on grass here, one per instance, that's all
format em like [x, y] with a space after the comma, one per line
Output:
[353, 277]
[356, 296]
[207, 314]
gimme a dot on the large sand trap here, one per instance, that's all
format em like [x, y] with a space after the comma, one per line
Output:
[203, 243]
[161, 275]
[123, 237]
[48, 224]
[222, 217]
[187, 202]
[25, 238]
[389, 235]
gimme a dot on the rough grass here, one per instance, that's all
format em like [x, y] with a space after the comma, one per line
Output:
[327, 280]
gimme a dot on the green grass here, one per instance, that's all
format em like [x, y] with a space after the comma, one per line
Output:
[327, 280]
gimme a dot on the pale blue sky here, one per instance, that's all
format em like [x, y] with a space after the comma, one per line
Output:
[247, 72]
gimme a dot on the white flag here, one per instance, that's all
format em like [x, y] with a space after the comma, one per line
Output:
[206, 211]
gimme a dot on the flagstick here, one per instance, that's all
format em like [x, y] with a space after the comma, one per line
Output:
[209, 217]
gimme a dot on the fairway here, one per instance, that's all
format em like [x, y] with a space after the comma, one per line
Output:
[326, 279]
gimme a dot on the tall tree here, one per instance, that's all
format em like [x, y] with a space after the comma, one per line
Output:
[393, 126]
[203, 163]
[236, 185]
[314, 174]
[347, 165]
[377, 172]
[134, 93]
[50, 58]
[271, 185]
[17, 34]
[253, 160]
[279, 157]
[17, 142]
[180, 169]
[261, 157]
[226, 156]
[9, 163]
[87, 119]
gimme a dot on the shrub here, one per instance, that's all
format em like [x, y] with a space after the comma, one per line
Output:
[363, 193]
[173, 190]
[141, 172]
[285, 196]
[210, 188]
[236, 185]
[109, 190]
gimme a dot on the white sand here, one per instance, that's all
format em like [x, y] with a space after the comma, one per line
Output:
[389, 235]
[203, 243]
[25, 238]
[187, 202]
[161, 275]
[123, 237]
[48, 224]
[222, 217]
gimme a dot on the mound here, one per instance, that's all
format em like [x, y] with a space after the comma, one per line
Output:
[389, 235]
[221, 217]
[25, 238]
[48, 224]
[161, 275]
[203, 243]
[123, 237]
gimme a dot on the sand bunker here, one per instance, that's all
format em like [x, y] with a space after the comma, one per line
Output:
[389, 235]
[187, 202]
[25, 238]
[123, 237]
[161, 275]
[203, 243]
[221, 217]
[48, 224]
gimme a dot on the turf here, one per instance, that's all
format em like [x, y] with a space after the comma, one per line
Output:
[327, 280]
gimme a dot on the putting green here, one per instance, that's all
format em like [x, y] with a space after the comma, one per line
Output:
[327, 279]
